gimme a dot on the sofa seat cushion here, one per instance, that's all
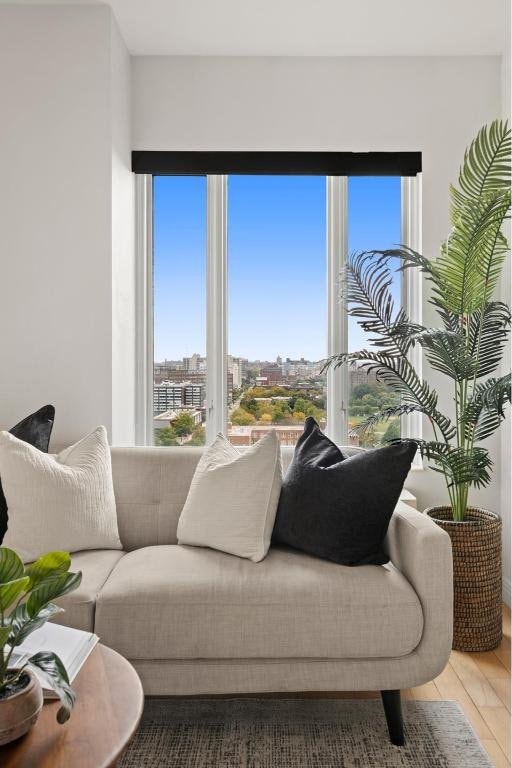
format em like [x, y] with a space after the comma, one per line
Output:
[96, 565]
[179, 602]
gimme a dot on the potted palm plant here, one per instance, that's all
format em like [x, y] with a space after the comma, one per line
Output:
[465, 347]
[26, 595]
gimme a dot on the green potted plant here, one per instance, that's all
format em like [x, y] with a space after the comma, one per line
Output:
[26, 595]
[466, 347]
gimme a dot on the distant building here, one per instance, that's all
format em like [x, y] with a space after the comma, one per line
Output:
[195, 363]
[170, 395]
[178, 375]
[358, 375]
[273, 373]
[234, 370]
[287, 435]
[164, 364]
[238, 367]
[166, 376]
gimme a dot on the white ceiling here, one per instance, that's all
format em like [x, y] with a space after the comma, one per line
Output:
[311, 27]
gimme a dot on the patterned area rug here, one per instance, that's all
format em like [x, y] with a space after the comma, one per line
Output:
[300, 733]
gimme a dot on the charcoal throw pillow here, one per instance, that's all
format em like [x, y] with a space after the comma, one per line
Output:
[338, 507]
[35, 430]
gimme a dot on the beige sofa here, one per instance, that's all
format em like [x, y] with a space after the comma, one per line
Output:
[197, 621]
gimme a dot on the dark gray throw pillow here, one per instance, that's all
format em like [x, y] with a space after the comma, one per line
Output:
[338, 507]
[36, 430]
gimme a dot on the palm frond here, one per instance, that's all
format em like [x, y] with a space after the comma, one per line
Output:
[384, 415]
[446, 352]
[485, 409]
[494, 255]
[459, 465]
[488, 331]
[486, 165]
[408, 257]
[496, 392]
[451, 321]
[366, 289]
[398, 374]
[467, 270]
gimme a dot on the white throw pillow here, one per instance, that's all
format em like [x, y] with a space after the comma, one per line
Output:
[59, 502]
[233, 497]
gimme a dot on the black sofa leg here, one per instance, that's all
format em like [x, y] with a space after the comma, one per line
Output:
[393, 712]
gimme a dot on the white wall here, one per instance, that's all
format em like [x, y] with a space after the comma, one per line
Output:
[123, 247]
[61, 135]
[435, 105]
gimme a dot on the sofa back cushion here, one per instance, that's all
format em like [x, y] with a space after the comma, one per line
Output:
[151, 487]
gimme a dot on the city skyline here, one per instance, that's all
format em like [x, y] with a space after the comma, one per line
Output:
[276, 261]
[202, 356]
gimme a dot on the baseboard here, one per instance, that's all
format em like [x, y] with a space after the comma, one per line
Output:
[506, 591]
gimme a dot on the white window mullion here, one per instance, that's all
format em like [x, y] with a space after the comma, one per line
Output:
[216, 307]
[411, 425]
[337, 325]
[144, 310]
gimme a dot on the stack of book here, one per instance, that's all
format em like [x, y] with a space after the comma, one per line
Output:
[72, 646]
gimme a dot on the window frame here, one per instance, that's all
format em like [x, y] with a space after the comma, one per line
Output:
[216, 301]
[144, 319]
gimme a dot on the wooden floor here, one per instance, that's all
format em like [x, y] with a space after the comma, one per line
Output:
[480, 682]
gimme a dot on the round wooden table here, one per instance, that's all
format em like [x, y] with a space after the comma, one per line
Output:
[107, 711]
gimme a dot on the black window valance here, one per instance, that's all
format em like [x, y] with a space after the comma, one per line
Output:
[286, 163]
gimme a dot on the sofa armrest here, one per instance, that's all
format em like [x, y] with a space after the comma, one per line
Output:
[422, 552]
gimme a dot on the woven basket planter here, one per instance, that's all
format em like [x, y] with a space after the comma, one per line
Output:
[476, 546]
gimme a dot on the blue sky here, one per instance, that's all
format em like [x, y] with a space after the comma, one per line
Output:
[276, 261]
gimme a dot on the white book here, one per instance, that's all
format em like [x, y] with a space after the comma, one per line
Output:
[72, 646]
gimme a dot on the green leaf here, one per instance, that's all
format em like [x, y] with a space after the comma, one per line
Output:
[486, 166]
[468, 268]
[11, 591]
[366, 290]
[11, 565]
[54, 673]
[50, 589]
[22, 624]
[53, 563]
[446, 352]
[384, 415]
[4, 636]
[460, 466]
[488, 335]
[397, 373]
[409, 258]
[484, 410]
[496, 392]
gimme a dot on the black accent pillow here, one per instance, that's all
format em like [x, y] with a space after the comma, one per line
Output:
[36, 430]
[338, 507]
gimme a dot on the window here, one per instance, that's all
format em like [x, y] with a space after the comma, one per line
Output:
[374, 217]
[276, 305]
[179, 301]
[242, 305]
